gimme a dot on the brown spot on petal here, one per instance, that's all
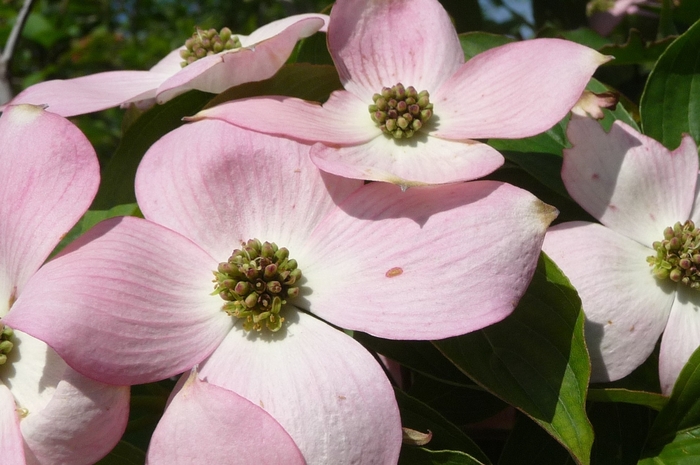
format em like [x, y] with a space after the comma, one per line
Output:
[632, 329]
[609, 322]
[595, 176]
[341, 397]
[612, 207]
[392, 273]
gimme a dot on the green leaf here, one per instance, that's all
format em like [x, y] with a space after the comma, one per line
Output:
[313, 50]
[421, 456]
[648, 399]
[300, 80]
[117, 185]
[124, 454]
[536, 359]
[551, 141]
[527, 439]
[636, 50]
[418, 416]
[675, 435]
[670, 104]
[620, 432]
[474, 43]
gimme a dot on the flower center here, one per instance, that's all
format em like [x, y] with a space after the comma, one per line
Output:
[401, 111]
[204, 43]
[678, 255]
[5, 344]
[255, 282]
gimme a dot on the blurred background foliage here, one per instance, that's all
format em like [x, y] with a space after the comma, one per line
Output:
[64, 39]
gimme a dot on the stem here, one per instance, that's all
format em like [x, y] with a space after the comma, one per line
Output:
[9, 50]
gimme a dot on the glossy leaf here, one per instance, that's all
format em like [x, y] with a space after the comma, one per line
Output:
[670, 104]
[648, 399]
[536, 359]
[446, 436]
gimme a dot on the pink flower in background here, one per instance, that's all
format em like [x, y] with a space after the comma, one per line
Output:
[140, 305]
[412, 109]
[639, 191]
[604, 15]
[49, 413]
[256, 57]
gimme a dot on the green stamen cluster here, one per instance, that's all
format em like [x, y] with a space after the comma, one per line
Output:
[5, 344]
[255, 281]
[678, 255]
[401, 111]
[204, 43]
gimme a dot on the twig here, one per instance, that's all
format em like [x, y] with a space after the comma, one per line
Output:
[9, 50]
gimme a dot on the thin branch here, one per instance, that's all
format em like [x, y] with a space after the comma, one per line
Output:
[9, 50]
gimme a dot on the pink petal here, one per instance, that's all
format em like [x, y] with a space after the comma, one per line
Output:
[130, 303]
[303, 27]
[343, 119]
[378, 44]
[681, 337]
[48, 176]
[211, 425]
[82, 422]
[170, 63]
[323, 387]
[92, 93]
[629, 182]
[221, 185]
[11, 443]
[515, 90]
[401, 265]
[626, 307]
[413, 162]
[254, 62]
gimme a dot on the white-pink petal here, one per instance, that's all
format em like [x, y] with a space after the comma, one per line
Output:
[681, 337]
[11, 443]
[626, 308]
[82, 422]
[252, 62]
[429, 263]
[49, 175]
[324, 388]
[629, 182]
[221, 185]
[342, 120]
[380, 43]
[515, 90]
[207, 424]
[409, 162]
[130, 303]
[91, 93]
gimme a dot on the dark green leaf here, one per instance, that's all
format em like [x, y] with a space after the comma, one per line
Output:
[446, 436]
[636, 50]
[474, 43]
[648, 399]
[420, 456]
[670, 104]
[675, 435]
[117, 185]
[529, 440]
[620, 432]
[124, 454]
[313, 50]
[536, 359]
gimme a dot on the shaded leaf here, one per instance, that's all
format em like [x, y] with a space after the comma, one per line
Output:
[124, 454]
[529, 440]
[421, 456]
[647, 399]
[620, 432]
[474, 43]
[636, 50]
[536, 359]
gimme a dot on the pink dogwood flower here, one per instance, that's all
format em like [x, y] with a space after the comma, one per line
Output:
[604, 15]
[252, 58]
[637, 271]
[309, 248]
[412, 108]
[49, 414]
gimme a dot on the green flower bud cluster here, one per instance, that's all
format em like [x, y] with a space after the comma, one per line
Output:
[255, 282]
[204, 43]
[5, 344]
[678, 255]
[401, 111]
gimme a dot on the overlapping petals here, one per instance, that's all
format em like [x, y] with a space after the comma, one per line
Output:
[260, 56]
[48, 177]
[516, 90]
[635, 188]
[396, 264]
